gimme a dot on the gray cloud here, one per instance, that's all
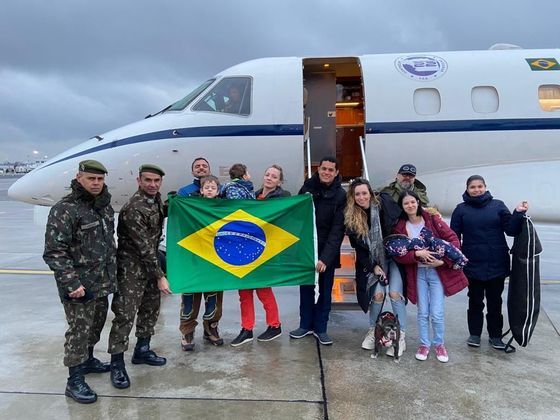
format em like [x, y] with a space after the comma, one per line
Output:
[70, 70]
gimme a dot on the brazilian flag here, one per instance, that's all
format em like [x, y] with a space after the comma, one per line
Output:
[215, 244]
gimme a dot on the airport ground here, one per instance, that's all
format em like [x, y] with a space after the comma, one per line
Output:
[285, 378]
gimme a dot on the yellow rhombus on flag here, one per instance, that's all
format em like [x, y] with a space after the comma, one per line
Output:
[201, 242]
[215, 244]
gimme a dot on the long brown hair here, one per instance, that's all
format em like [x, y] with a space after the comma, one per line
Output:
[355, 218]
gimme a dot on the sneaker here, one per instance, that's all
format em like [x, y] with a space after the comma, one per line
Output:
[244, 337]
[402, 346]
[187, 342]
[473, 341]
[323, 338]
[300, 333]
[497, 343]
[422, 352]
[270, 334]
[369, 340]
[441, 353]
[211, 334]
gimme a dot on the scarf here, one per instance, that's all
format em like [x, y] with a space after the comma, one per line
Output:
[374, 240]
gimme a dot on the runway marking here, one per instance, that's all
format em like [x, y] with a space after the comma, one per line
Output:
[145, 397]
[25, 271]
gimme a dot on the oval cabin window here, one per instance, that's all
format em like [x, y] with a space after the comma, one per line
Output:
[549, 97]
[427, 101]
[485, 99]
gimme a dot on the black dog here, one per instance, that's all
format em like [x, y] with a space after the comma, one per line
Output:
[387, 334]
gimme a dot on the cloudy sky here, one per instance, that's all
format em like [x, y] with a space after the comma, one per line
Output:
[71, 69]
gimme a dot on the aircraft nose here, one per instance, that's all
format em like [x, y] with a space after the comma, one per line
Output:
[27, 189]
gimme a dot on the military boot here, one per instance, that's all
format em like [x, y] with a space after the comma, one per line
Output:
[119, 377]
[143, 354]
[77, 388]
[93, 365]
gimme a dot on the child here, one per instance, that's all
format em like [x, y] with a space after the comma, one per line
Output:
[399, 245]
[190, 302]
[240, 186]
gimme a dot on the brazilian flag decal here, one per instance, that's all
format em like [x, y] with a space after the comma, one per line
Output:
[215, 244]
[543, 64]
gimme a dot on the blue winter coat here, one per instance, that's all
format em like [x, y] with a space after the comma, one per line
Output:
[480, 223]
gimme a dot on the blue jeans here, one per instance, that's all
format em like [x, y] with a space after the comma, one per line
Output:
[313, 316]
[431, 306]
[395, 285]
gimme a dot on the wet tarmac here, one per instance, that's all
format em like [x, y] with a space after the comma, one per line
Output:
[281, 379]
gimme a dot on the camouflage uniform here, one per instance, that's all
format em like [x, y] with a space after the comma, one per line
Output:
[80, 249]
[139, 230]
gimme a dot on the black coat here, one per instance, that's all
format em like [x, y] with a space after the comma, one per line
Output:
[329, 202]
[276, 193]
[389, 215]
[480, 223]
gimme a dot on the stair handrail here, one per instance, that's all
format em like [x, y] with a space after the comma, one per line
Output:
[365, 170]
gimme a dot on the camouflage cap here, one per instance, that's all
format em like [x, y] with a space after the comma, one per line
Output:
[148, 167]
[92, 166]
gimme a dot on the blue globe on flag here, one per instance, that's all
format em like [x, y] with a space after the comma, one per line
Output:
[239, 242]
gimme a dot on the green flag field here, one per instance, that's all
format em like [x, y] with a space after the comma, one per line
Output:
[215, 244]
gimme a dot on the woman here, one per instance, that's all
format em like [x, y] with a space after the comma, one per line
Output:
[429, 279]
[368, 218]
[481, 222]
[271, 188]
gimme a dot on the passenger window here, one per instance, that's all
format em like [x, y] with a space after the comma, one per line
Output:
[427, 101]
[485, 99]
[549, 97]
[231, 95]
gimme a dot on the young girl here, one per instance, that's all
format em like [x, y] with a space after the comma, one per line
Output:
[429, 279]
[368, 218]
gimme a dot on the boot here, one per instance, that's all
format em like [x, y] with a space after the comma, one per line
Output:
[143, 354]
[119, 377]
[77, 388]
[93, 365]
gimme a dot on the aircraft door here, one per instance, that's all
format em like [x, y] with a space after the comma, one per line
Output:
[321, 111]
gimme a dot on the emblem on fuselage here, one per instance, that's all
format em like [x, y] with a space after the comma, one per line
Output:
[421, 67]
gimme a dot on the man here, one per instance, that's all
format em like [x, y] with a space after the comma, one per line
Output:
[140, 277]
[329, 199]
[199, 168]
[406, 180]
[80, 249]
[190, 302]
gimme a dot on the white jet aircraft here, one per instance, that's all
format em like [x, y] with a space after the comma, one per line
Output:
[452, 114]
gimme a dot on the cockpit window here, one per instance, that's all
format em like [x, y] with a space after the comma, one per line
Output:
[181, 104]
[231, 95]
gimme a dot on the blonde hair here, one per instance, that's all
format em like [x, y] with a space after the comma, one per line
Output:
[355, 218]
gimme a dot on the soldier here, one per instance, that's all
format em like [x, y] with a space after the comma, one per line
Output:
[140, 277]
[80, 249]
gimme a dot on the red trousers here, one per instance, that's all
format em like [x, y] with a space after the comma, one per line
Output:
[266, 296]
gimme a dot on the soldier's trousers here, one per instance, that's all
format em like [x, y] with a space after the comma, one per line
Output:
[85, 322]
[136, 295]
[190, 306]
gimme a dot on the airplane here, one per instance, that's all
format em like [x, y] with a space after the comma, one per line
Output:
[452, 114]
